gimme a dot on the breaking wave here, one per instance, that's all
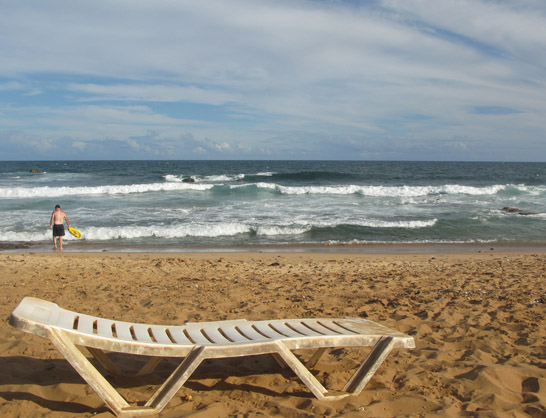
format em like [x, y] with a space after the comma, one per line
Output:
[226, 229]
[175, 183]
[392, 191]
[48, 191]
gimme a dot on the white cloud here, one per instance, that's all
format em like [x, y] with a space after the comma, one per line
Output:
[11, 85]
[153, 93]
[364, 70]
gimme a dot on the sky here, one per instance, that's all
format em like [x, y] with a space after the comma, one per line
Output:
[290, 80]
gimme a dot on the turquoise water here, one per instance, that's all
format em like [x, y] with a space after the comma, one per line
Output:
[146, 204]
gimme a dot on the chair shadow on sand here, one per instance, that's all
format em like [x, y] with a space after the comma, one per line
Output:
[211, 375]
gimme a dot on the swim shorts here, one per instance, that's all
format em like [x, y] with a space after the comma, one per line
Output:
[58, 230]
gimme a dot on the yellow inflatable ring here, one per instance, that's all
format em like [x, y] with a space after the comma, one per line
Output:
[75, 232]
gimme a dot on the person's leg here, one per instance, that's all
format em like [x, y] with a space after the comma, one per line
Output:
[54, 243]
[61, 242]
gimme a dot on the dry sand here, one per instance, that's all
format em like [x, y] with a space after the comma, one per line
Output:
[478, 320]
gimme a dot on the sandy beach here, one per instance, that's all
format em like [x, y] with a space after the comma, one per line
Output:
[478, 319]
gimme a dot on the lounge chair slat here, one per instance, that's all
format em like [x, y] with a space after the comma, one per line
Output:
[85, 324]
[212, 332]
[160, 335]
[251, 333]
[364, 326]
[332, 327]
[196, 336]
[317, 326]
[66, 319]
[179, 336]
[141, 333]
[104, 328]
[122, 331]
[281, 327]
[265, 329]
[233, 334]
[299, 327]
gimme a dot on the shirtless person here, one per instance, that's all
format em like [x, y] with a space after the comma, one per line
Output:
[57, 224]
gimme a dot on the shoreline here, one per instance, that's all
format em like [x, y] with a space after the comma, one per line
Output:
[372, 248]
[368, 248]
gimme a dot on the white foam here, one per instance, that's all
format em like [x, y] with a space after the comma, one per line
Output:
[222, 177]
[387, 191]
[378, 223]
[46, 235]
[47, 191]
[398, 224]
[202, 230]
[281, 230]
[260, 185]
[212, 178]
[180, 231]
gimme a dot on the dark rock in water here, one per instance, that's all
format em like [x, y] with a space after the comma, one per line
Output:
[34, 170]
[516, 210]
[188, 180]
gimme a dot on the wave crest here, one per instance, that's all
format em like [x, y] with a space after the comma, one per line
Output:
[47, 191]
[389, 191]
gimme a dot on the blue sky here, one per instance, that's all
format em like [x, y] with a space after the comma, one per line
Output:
[251, 79]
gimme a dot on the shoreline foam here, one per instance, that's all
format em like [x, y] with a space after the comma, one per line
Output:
[372, 248]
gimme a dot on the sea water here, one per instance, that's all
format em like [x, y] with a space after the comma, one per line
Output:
[151, 205]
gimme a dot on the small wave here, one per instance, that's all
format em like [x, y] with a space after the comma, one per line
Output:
[47, 191]
[379, 223]
[227, 229]
[180, 231]
[399, 224]
[305, 176]
[384, 191]
[261, 185]
[402, 242]
[282, 230]
[212, 178]
[194, 230]
[221, 177]
[10, 236]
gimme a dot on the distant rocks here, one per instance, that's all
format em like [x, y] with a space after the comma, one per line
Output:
[188, 180]
[34, 170]
[516, 210]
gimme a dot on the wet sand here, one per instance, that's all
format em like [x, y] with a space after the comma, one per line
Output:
[478, 319]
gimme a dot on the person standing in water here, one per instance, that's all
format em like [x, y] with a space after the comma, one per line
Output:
[57, 225]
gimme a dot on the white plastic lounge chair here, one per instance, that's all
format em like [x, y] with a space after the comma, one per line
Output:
[198, 341]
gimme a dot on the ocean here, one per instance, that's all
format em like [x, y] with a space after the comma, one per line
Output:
[226, 205]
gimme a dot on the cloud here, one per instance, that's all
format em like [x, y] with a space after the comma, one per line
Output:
[247, 75]
[11, 85]
[152, 93]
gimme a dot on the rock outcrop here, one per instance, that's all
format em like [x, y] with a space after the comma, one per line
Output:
[516, 210]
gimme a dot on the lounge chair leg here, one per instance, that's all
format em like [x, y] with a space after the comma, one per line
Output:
[150, 366]
[279, 360]
[370, 365]
[316, 357]
[114, 370]
[105, 361]
[168, 389]
[86, 370]
[304, 374]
